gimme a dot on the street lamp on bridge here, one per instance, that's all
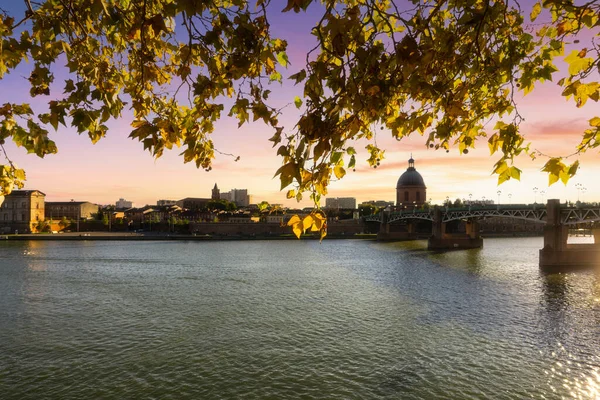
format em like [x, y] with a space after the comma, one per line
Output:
[535, 189]
[580, 190]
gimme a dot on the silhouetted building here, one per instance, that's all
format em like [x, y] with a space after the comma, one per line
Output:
[216, 193]
[123, 204]
[411, 190]
[340, 202]
[193, 203]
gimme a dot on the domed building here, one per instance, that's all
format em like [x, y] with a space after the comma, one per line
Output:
[411, 190]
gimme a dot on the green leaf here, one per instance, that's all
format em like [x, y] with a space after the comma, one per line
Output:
[286, 174]
[503, 177]
[298, 102]
[299, 77]
[275, 76]
[282, 58]
[336, 157]
[352, 162]
[515, 173]
[577, 63]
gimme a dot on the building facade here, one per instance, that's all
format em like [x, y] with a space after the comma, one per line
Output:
[123, 204]
[379, 203]
[237, 196]
[193, 203]
[21, 211]
[411, 191]
[72, 210]
[163, 203]
[340, 202]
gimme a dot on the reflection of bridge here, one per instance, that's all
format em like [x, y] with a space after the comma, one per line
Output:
[556, 217]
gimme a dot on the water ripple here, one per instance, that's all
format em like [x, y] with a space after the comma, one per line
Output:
[293, 320]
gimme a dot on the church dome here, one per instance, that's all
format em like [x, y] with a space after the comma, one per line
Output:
[410, 177]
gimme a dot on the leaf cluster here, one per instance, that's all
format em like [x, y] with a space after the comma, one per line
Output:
[441, 69]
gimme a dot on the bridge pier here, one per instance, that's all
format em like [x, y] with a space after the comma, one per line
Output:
[557, 255]
[440, 240]
[384, 227]
[385, 234]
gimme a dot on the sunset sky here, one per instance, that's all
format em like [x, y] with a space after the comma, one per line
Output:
[118, 167]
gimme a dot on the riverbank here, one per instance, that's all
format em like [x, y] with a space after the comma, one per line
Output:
[164, 236]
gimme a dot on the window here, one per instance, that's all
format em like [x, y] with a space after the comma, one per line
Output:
[418, 196]
[37, 205]
[23, 217]
[24, 205]
[406, 196]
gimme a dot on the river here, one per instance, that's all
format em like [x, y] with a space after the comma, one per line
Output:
[341, 319]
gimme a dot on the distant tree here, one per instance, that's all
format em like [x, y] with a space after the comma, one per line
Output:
[63, 223]
[263, 206]
[221, 205]
[366, 209]
[99, 216]
[458, 203]
[231, 206]
[217, 205]
[43, 226]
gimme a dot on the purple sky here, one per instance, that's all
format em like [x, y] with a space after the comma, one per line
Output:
[118, 167]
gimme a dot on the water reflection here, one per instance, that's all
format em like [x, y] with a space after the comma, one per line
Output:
[473, 261]
[32, 255]
[554, 304]
[565, 323]
[571, 376]
[596, 289]
[341, 319]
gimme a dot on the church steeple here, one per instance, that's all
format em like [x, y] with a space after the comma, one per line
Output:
[216, 193]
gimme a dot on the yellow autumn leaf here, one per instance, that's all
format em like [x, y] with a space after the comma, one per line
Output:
[319, 220]
[339, 171]
[537, 8]
[294, 220]
[297, 229]
[323, 233]
[307, 222]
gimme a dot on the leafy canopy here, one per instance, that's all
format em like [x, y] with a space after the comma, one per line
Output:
[438, 68]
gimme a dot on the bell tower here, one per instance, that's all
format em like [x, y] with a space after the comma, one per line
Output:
[216, 193]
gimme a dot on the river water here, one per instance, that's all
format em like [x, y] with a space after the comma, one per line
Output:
[344, 319]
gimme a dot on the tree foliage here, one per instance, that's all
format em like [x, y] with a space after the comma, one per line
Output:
[442, 69]
[221, 205]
